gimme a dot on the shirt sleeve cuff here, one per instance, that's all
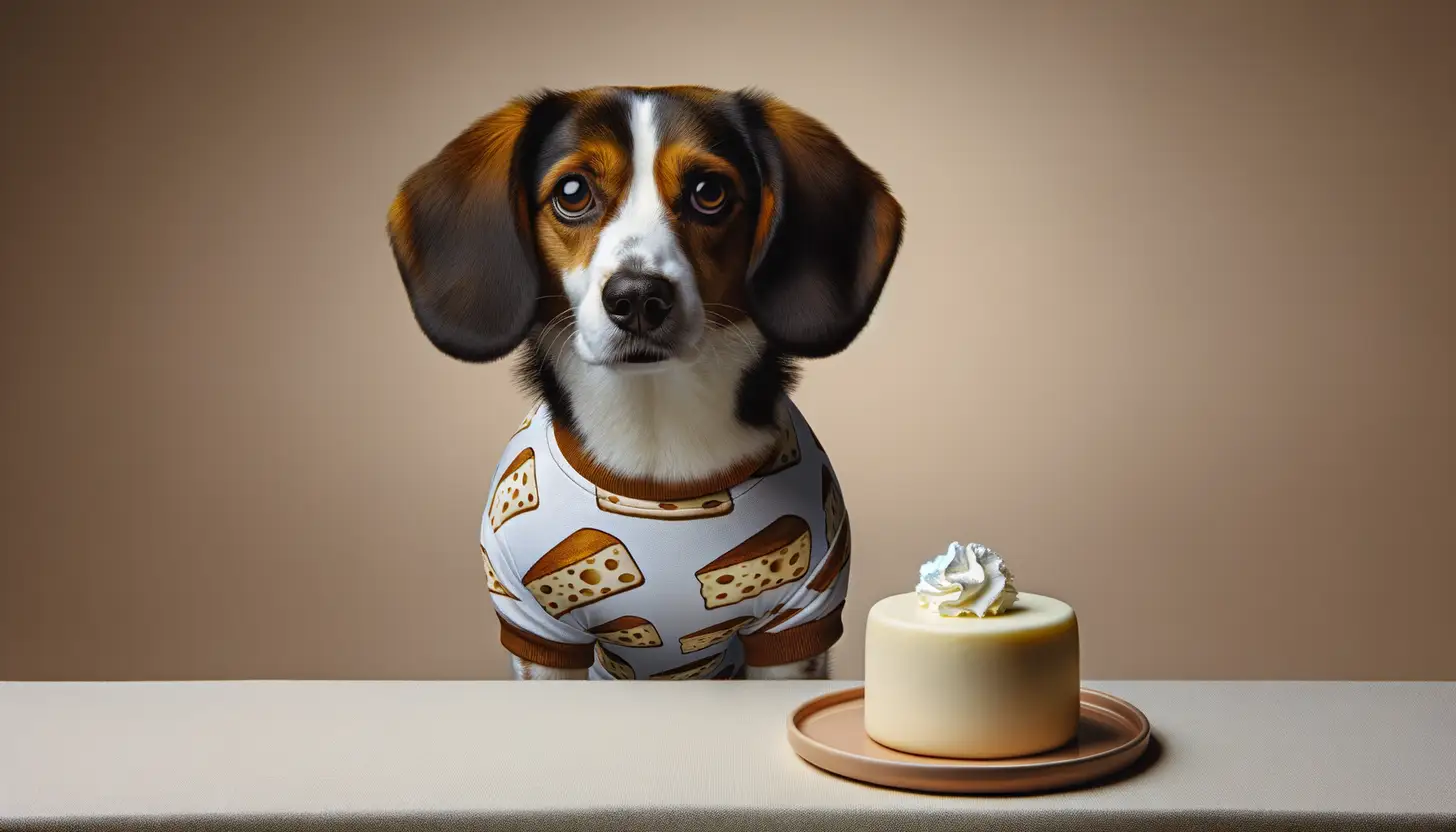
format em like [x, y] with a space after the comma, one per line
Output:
[535, 649]
[796, 643]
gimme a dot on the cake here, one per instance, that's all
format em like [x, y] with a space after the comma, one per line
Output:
[967, 667]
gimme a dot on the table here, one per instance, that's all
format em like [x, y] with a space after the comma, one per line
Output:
[679, 755]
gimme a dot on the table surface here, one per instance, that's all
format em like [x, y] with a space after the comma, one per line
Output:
[644, 755]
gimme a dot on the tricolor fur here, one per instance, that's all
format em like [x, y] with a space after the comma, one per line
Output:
[764, 238]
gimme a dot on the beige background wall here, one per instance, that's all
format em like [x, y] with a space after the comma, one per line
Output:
[1174, 326]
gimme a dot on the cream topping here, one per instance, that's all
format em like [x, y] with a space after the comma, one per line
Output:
[966, 580]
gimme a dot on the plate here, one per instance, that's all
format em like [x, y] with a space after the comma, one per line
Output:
[828, 732]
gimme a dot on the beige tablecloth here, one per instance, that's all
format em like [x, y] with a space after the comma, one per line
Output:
[678, 755]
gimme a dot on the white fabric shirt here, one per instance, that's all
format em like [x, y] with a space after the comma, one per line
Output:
[641, 586]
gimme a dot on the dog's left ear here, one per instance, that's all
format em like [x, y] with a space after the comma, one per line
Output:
[828, 232]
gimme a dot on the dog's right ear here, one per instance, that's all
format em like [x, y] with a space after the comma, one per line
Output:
[461, 233]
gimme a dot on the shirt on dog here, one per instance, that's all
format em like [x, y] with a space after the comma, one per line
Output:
[649, 586]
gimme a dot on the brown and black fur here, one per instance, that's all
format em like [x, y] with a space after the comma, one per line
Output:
[803, 256]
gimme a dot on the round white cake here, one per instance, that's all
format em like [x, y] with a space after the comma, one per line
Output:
[972, 685]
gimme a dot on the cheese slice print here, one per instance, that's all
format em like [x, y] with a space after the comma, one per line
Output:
[616, 666]
[712, 634]
[699, 669]
[517, 491]
[490, 578]
[586, 567]
[786, 452]
[775, 556]
[628, 631]
[833, 503]
[687, 508]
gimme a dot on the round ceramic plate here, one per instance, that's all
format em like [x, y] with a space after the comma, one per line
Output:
[828, 731]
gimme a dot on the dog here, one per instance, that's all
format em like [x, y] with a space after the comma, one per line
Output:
[661, 259]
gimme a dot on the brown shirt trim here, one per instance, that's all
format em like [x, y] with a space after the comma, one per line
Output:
[537, 650]
[796, 643]
[643, 489]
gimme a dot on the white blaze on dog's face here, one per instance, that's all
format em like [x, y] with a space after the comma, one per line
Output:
[638, 239]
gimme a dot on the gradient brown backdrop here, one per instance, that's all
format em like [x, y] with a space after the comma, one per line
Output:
[1172, 327]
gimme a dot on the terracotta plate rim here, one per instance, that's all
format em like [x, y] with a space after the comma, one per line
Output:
[1091, 699]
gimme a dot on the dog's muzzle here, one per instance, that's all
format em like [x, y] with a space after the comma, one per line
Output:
[641, 305]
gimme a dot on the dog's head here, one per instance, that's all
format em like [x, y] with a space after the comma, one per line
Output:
[645, 213]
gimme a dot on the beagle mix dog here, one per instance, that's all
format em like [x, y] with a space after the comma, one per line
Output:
[660, 258]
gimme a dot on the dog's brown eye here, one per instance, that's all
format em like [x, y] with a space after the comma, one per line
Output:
[709, 195]
[572, 197]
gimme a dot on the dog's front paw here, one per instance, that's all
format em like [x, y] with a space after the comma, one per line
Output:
[529, 671]
[814, 667]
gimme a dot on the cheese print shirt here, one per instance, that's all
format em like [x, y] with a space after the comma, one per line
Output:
[587, 571]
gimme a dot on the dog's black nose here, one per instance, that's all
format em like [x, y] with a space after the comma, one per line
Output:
[637, 302]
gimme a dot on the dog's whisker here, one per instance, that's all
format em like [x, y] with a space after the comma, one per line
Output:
[562, 339]
[722, 321]
[561, 318]
[546, 328]
[563, 324]
[730, 307]
[554, 351]
[548, 345]
[727, 324]
[698, 351]
[721, 353]
[560, 315]
[715, 349]
[725, 351]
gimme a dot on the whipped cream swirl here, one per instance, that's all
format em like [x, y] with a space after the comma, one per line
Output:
[966, 580]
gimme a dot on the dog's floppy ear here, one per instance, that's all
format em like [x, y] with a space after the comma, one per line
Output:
[828, 232]
[461, 233]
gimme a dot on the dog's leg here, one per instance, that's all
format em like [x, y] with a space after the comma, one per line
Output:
[526, 671]
[814, 667]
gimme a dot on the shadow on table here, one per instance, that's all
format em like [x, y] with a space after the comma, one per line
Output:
[1150, 758]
